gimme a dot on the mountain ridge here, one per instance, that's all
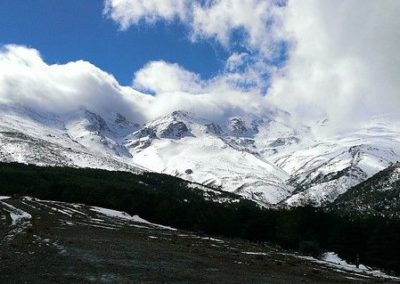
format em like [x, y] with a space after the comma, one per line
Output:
[271, 159]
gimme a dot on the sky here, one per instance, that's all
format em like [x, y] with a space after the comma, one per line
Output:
[69, 30]
[316, 59]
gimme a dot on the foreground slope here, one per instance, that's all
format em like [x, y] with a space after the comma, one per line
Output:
[171, 201]
[49, 242]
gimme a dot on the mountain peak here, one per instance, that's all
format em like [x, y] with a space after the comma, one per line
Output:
[180, 114]
[240, 128]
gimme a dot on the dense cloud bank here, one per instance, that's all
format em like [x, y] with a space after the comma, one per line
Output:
[344, 59]
[25, 79]
[341, 63]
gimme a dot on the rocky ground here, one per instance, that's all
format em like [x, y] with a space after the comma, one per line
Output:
[53, 242]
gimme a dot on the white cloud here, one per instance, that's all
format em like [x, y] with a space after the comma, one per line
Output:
[131, 12]
[160, 76]
[344, 60]
[216, 19]
[219, 19]
[25, 79]
[176, 88]
[236, 60]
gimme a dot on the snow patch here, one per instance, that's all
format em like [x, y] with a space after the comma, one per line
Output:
[17, 215]
[332, 260]
[212, 239]
[254, 253]
[125, 216]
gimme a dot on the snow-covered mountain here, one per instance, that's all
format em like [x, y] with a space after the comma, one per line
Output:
[79, 138]
[218, 155]
[272, 159]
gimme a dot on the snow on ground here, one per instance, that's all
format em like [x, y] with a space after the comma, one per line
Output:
[4, 197]
[212, 239]
[17, 215]
[20, 220]
[123, 215]
[254, 253]
[332, 260]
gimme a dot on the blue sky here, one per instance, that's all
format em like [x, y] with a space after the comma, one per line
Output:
[67, 30]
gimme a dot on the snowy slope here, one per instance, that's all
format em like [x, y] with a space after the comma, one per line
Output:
[27, 136]
[329, 167]
[199, 150]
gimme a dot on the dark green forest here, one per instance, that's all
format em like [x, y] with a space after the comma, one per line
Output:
[170, 201]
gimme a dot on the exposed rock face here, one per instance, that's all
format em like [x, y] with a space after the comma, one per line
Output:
[284, 141]
[146, 132]
[175, 130]
[214, 128]
[238, 126]
[95, 123]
